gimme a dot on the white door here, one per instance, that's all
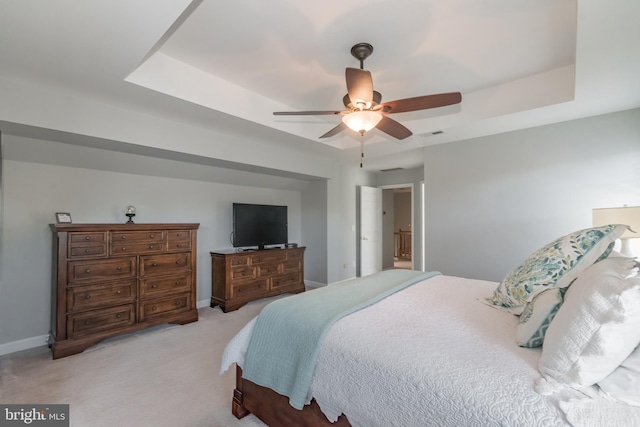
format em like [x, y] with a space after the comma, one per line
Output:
[370, 230]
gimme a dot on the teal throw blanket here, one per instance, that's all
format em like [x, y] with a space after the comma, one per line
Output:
[288, 332]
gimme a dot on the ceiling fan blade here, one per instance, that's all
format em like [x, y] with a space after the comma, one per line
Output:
[359, 87]
[335, 130]
[393, 128]
[421, 102]
[305, 113]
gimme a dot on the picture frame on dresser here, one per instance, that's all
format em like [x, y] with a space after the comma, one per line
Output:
[63, 218]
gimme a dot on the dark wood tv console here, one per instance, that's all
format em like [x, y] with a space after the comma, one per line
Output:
[240, 277]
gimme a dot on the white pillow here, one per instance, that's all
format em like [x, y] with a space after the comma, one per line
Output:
[537, 316]
[597, 326]
[623, 384]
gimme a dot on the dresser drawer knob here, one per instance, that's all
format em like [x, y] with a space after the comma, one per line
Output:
[118, 316]
[178, 283]
[118, 292]
[179, 234]
[150, 246]
[87, 238]
[179, 245]
[87, 296]
[177, 302]
[86, 322]
[87, 271]
[151, 236]
[124, 248]
[124, 237]
[178, 261]
[118, 268]
[154, 308]
[154, 286]
[86, 251]
[154, 264]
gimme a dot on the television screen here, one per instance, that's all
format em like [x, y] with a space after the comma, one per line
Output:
[259, 225]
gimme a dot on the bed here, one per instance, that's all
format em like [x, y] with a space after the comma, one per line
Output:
[438, 352]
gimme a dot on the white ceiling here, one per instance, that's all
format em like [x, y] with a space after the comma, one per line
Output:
[517, 63]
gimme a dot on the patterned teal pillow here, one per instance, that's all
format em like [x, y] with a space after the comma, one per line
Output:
[555, 265]
[537, 316]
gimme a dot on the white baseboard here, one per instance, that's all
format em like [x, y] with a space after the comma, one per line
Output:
[25, 344]
[312, 284]
[203, 303]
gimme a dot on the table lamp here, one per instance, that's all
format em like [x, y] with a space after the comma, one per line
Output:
[628, 215]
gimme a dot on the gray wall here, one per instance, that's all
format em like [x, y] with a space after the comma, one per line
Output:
[492, 201]
[41, 177]
[342, 221]
[314, 231]
[33, 192]
[402, 212]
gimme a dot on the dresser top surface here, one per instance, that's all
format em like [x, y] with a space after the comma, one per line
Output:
[123, 227]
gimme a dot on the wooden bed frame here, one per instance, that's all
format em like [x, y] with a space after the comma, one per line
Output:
[274, 409]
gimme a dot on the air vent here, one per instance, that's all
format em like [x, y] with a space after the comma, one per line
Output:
[424, 135]
[391, 169]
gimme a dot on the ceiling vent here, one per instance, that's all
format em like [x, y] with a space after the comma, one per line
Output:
[425, 135]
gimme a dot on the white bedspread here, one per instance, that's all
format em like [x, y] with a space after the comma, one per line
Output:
[431, 355]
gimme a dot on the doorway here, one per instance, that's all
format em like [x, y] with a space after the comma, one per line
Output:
[397, 227]
[385, 228]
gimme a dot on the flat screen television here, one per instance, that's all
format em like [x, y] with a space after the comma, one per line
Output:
[259, 225]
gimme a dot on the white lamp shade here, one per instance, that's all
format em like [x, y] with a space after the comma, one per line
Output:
[625, 215]
[362, 121]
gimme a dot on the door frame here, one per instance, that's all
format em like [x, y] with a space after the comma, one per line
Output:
[411, 186]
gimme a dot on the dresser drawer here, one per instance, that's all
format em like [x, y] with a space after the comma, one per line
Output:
[99, 270]
[105, 319]
[163, 306]
[89, 237]
[92, 296]
[121, 248]
[178, 240]
[242, 273]
[245, 290]
[238, 261]
[270, 256]
[292, 265]
[285, 280]
[156, 236]
[83, 245]
[158, 286]
[130, 242]
[160, 264]
[268, 270]
[92, 251]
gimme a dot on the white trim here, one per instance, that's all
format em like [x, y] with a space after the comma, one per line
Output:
[25, 344]
[312, 284]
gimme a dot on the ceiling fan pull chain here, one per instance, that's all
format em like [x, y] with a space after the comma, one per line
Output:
[361, 149]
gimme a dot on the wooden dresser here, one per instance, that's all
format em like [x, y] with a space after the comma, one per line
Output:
[240, 277]
[109, 279]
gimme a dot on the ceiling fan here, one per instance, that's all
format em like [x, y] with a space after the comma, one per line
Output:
[364, 108]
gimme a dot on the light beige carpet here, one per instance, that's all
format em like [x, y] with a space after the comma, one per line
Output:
[164, 376]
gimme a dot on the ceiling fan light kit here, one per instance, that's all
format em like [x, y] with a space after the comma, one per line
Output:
[365, 109]
[362, 121]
